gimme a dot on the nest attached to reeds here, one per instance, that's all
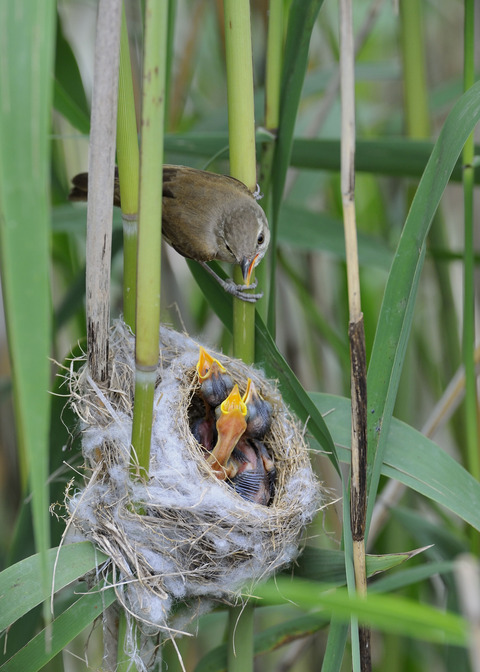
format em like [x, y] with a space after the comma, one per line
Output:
[184, 537]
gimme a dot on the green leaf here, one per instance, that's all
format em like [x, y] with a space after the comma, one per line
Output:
[27, 40]
[411, 458]
[267, 640]
[409, 576]
[20, 589]
[36, 654]
[308, 231]
[386, 613]
[394, 157]
[396, 314]
[327, 566]
[301, 19]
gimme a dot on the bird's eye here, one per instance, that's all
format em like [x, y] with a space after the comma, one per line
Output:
[228, 248]
[260, 239]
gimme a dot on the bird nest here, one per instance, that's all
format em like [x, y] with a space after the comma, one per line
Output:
[183, 538]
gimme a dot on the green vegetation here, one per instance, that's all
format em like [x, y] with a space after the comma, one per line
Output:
[417, 106]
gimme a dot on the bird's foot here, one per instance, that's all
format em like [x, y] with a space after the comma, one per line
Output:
[241, 292]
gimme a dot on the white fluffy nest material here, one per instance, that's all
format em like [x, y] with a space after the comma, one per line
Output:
[184, 537]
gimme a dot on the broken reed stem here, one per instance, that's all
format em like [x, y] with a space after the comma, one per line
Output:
[149, 232]
[358, 496]
[101, 168]
[241, 129]
[128, 171]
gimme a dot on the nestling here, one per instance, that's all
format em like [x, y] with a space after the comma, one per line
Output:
[215, 383]
[259, 412]
[252, 471]
[231, 425]
[206, 216]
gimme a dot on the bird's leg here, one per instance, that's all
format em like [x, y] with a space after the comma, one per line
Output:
[238, 291]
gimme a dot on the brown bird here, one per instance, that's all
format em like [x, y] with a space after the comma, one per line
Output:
[230, 427]
[206, 216]
[252, 471]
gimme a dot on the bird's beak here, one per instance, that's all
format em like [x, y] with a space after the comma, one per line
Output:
[250, 393]
[247, 267]
[230, 426]
[207, 365]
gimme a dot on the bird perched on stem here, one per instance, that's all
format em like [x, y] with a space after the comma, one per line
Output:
[206, 217]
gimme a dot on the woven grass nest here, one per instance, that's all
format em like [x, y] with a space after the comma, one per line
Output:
[185, 540]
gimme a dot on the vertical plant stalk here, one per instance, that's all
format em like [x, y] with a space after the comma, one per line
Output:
[358, 491]
[273, 80]
[128, 171]
[149, 232]
[241, 127]
[471, 402]
[101, 169]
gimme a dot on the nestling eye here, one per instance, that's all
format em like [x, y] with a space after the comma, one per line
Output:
[260, 239]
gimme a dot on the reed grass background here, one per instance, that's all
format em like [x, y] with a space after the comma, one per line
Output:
[418, 281]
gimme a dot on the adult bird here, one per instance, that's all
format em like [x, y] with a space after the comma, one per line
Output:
[206, 217]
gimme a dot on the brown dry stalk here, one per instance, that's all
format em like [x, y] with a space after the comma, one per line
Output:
[358, 497]
[101, 170]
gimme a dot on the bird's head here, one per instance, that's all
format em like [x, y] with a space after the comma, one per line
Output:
[208, 366]
[231, 425]
[246, 236]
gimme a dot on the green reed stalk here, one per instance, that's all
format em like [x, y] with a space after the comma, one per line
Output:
[128, 171]
[241, 124]
[149, 232]
[471, 403]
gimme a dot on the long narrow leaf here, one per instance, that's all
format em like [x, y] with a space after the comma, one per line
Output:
[411, 458]
[35, 655]
[387, 613]
[20, 589]
[26, 95]
[399, 299]
[396, 157]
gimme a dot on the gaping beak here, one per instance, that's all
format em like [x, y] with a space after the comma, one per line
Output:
[230, 426]
[207, 365]
[250, 392]
[247, 268]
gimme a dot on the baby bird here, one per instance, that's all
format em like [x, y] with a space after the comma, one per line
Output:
[259, 412]
[231, 425]
[205, 431]
[215, 382]
[252, 471]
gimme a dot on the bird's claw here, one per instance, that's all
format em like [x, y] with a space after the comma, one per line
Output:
[242, 291]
